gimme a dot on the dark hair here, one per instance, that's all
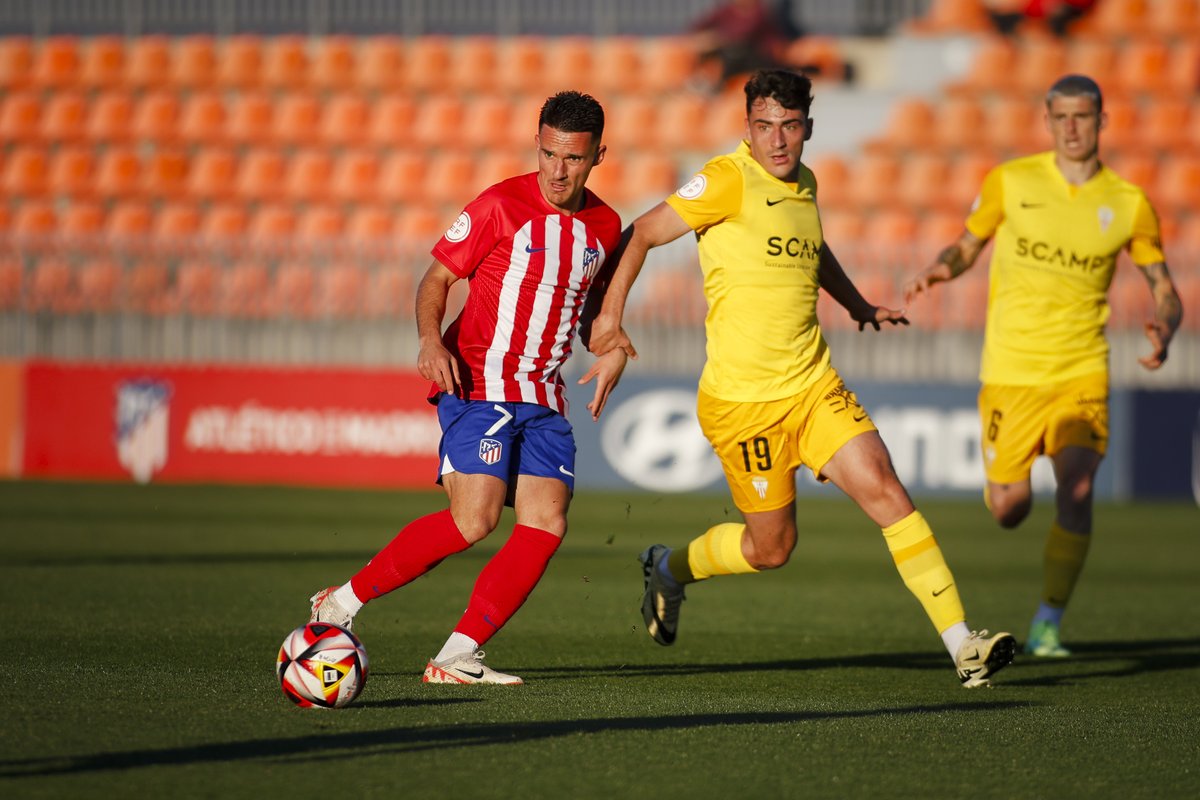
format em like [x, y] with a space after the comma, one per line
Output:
[790, 89]
[1076, 86]
[573, 112]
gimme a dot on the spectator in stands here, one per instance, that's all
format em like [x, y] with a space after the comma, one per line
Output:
[531, 246]
[737, 37]
[1060, 219]
[770, 401]
[1057, 15]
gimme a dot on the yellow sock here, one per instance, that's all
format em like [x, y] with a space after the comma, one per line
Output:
[919, 561]
[718, 552]
[1064, 557]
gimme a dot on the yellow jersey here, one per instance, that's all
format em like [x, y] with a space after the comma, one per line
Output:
[759, 240]
[1055, 251]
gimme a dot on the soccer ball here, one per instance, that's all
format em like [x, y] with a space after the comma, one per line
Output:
[321, 665]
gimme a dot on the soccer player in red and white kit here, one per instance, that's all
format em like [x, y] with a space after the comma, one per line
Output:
[531, 247]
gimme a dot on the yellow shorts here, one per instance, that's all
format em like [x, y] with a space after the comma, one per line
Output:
[761, 445]
[1021, 423]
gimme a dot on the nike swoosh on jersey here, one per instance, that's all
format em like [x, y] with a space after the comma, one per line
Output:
[771, 202]
[529, 249]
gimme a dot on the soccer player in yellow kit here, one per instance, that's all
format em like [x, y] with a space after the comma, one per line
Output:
[769, 400]
[1060, 219]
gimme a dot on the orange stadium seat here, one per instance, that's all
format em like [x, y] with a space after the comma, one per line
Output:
[1096, 58]
[475, 65]
[1142, 66]
[355, 177]
[632, 122]
[842, 227]
[53, 286]
[319, 227]
[72, 170]
[56, 63]
[1014, 126]
[369, 224]
[224, 226]
[240, 62]
[100, 282]
[27, 172]
[285, 62]
[966, 177]
[344, 122]
[649, 177]
[874, 179]
[833, 180]
[176, 226]
[64, 116]
[389, 292]
[297, 119]
[195, 62]
[295, 290]
[246, 289]
[381, 65]
[1178, 187]
[128, 225]
[667, 62]
[523, 65]
[1167, 123]
[20, 117]
[523, 128]
[261, 174]
[334, 64]
[147, 288]
[165, 173]
[439, 119]
[271, 227]
[427, 65]
[991, 69]
[960, 124]
[1039, 63]
[1174, 17]
[110, 117]
[12, 279]
[156, 117]
[608, 182]
[451, 178]
[392, 119]
[119, 172]
[1183, 71]
[103, 63]
[726, 121]
[938, 229]
[342, 290]
[1137, 166]
[149, 62]
[198, 284]
[33, 225]
[682, 117]
[81, 225]
[212, 173]
[402, 177]
[16, 62]
[420, 225]
[1123, 128]
[202, 118]
[572, 60]
[910, 126]
[952, 16]
[620, 58]
[497, 165]
[487, 121]
[251, 118]
[308, 175]
[819, 56]
[922, 181]
[1117, 18]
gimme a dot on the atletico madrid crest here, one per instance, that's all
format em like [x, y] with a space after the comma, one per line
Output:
[490, 451]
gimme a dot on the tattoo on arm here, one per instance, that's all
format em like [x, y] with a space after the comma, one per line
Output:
[1168, 310]
[961, 255]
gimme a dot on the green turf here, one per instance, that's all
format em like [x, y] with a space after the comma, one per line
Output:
[144, 621]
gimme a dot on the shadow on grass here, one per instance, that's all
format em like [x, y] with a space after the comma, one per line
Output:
[421, 737]
[1111, 660]
[187, 559]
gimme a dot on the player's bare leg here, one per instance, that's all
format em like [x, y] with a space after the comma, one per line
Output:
[1010, 503]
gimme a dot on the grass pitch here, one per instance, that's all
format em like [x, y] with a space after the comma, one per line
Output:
[144, 620]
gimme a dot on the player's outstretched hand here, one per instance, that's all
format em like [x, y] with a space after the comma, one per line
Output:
[925, 280]
[606, 334]
[435, 363]
[878, 314]
[607, 371]
[1158, 337]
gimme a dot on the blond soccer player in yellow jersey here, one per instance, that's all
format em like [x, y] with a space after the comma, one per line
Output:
[769, 400]
[1060, 219]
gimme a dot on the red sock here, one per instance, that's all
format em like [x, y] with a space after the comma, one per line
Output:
[416, 549]
[506, 581]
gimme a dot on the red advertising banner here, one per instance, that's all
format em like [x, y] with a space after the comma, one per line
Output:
[334, 427]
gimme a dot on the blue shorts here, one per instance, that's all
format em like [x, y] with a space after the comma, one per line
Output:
[482, 437]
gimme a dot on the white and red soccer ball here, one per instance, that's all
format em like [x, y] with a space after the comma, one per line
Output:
[321, 665]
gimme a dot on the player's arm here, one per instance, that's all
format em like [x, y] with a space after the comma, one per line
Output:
[658, 226]
[837, 283]
[434, 361]
[1168, 312]
[954, 260]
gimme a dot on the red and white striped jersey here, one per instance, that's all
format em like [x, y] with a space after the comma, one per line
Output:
[529, 267]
